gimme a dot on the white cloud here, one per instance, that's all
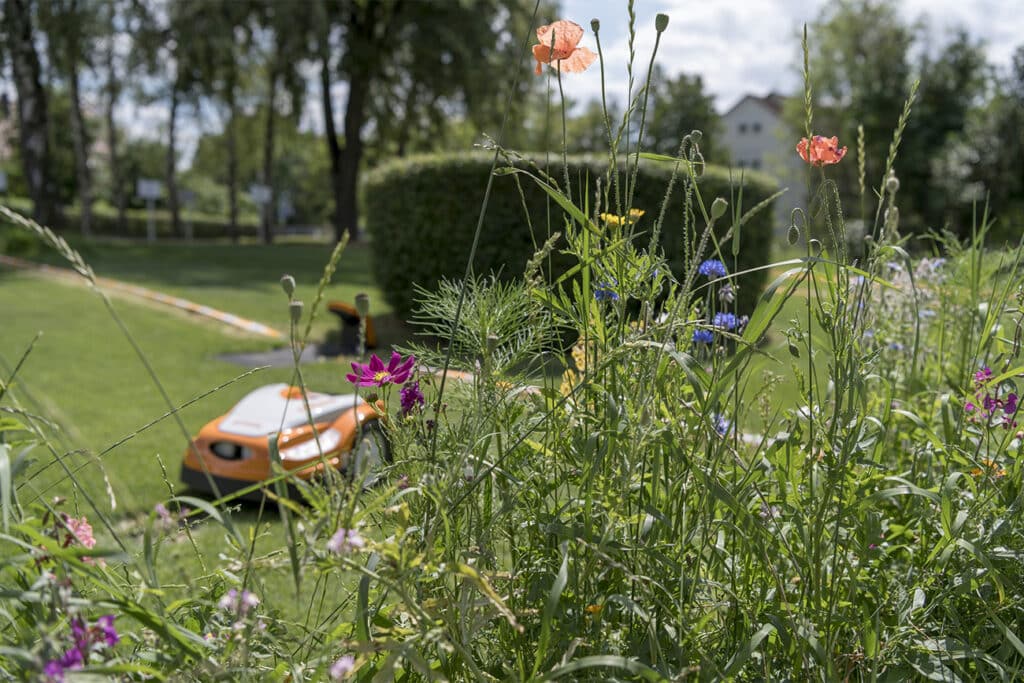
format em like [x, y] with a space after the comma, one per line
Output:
[753, 46]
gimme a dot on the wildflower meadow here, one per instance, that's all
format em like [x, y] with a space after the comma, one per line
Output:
[599, 468]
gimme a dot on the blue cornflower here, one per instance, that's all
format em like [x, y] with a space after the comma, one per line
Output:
[703, 336]
[725, 321]
[721, 423]
[712, 268]
[603, 291]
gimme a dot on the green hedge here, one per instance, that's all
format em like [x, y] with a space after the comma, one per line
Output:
[105, 223]
[421, 214]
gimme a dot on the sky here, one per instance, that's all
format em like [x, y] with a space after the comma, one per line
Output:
[752, 46]
[737, 46]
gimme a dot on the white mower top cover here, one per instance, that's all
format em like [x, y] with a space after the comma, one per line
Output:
[270, 409]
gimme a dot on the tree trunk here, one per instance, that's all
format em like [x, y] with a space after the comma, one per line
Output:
[232, 162]
[117, 187]
[333, 148]
[33, 120]
[81, 145]
[172, 186]
[351, 156]
[267, 219]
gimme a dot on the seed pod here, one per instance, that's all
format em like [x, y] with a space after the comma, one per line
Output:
[295, 311]
[718, 208]
[661, 22]
[595, 24]
[892, 183]
[288, 285]
[363, 304]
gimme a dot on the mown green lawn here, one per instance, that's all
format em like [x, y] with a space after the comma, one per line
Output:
[83, 376]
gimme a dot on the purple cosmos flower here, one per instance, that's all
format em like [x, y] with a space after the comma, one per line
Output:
[712, 268]
[342, 667]
[376, 374]
[345, 541]
[411, 397]
[703, 336]
[726, 321]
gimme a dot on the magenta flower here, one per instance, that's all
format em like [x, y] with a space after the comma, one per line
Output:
[81, 531]
[376, 374]
[411, 397]
[105, 630]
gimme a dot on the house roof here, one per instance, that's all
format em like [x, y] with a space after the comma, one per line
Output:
[773, 102]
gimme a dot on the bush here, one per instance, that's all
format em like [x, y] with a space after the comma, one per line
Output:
[136, 222]
[422, 213]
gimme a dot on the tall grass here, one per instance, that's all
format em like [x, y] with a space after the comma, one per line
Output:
[603, 514]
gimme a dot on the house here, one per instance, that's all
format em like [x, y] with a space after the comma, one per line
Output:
[758, 139]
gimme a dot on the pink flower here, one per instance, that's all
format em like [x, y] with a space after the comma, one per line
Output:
[343, 667]
[345, 541]
[564, 53]
[823, 151]
[376, 374]
[81, 531]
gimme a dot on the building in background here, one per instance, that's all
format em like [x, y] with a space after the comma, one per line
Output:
[758, 139]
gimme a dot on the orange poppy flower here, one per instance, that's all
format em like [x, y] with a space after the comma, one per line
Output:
[564, 53]
[822, 150]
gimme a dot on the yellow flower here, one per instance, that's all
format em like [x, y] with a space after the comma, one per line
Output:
[992, 466]
[631, 217]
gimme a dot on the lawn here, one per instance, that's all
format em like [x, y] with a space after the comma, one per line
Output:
[83, 375]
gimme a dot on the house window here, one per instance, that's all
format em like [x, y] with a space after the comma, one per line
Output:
[756, 127]
[743, 128]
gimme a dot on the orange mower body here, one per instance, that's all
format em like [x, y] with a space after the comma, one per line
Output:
[232, 452]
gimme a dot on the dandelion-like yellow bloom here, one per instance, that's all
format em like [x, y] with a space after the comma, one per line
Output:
[631, 217]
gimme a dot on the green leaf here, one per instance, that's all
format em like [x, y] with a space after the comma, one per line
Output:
[554, 595]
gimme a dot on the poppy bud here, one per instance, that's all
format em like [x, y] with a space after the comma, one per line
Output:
[288, 285]
[793, 235]
[718, 208]
[696, 135]
[295, 311]
[815, 247]
[595, 24]
[892, 183]
[363, 304]
[661, 22]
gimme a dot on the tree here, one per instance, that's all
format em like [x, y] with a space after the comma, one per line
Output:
[288, 25]
[436, 64]
[71, 27]
[951, 85]
[677, 106]
[860, 73]
[33, 117]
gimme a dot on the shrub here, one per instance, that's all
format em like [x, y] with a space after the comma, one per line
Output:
[422, 213]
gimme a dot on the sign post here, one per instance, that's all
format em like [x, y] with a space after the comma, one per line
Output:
[150, 190]
[188, 199]
[261, 195]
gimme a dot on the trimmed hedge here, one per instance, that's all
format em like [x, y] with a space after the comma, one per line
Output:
[421, 213]
[136, 222]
